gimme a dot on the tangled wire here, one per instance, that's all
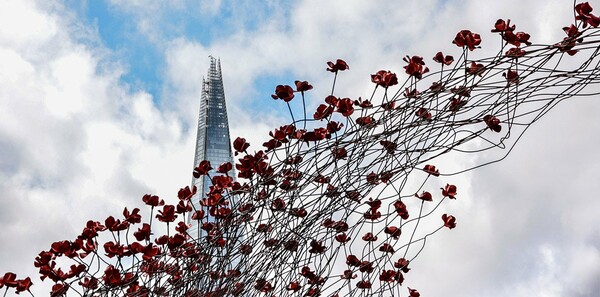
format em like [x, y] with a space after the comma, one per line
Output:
[340, 203]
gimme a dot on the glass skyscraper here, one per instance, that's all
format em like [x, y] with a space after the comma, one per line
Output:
[212, 142]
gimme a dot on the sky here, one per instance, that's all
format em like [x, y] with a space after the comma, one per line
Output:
[99, 102]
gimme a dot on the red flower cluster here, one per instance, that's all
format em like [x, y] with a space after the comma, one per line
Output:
[492, 122]
[444, 60]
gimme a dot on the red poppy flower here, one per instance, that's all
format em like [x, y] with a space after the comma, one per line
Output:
[515, 52]
[363, 103]
[423, 113]
[364, 284]
[143, 233]
[466, 38]
[449, 221]
[302, 86]
[584, 14]
[278, 205]
[456, 104]
[387, 275]
[225, 167]
[263, 285]
[393, 231]
[339, 153]
[202, 169]
[133, 217]
[115, 225]
[323, 111]
[342, 238]
[283, 92]
[492, 122]
[153, 200]
[59, 289]
[444, 60]
[401, 209]
[413, 293]
[352, 260]
[345, 106]
[516, 38]
[291, 245]
[502, 26]
[384, 78]
[167, 214]
[512, 77]
[369, 237]
[476, 69]
[294, 286]
[389, 146]
[366, 266]
[425, 196]
[364, 121]
[334, 126]
[461, 91]
[340, 65]
[240, 145]
[9, 280]
[412, 94]
[449, 191]
[430, 169]
[388, 105]
[23, 285]
[298, 212]
[348, 274]
[416, 66]
[387, 248]
[402, 264]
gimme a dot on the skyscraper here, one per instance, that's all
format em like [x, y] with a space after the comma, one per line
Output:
[212, 141]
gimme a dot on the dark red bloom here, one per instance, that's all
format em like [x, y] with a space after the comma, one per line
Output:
[384, 78]
[423, 113]
[401, 209]
[339, 153]
[449, 221]
[431, 170]
[402, 264]
[425, 196]
[340, 65]
[512, 77]
[516, 38]
[143, 233]
[584, 14]
[444, 60]
[363, 103]
[352, 260]
[501, 26]
[240, 145]
[302, 86]
[515, 52]
[202, 169]
[167, 214]
[386, 248]
[23, 285]
[449, 191]
[153, 200]
[416, 66]
[369, 237]
[413, 293]
[365, 121]
[466, 38]
[225, 167]
[323, 111]
[456, 104]
[476, 69]
[393, 231]
[294, 286]
[283, 92]
[342, 238]
[9, 280]
[263, 285]
[364, 284]
[492, 122]
[316, 247]
[345, 106]
[389, 146]
[133, 217]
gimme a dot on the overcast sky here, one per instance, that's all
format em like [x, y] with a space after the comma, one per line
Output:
[99, 102]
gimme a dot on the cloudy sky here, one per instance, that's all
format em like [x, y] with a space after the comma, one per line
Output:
[99, 99]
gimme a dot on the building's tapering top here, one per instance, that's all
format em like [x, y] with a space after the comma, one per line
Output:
[212, 142]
